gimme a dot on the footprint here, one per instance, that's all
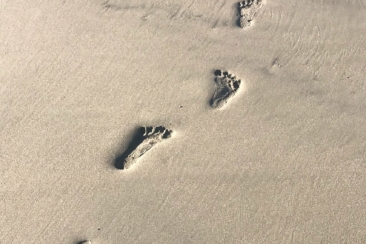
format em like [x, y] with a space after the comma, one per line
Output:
[144, 139]
[84, 242]
[226, 87]
[247, 10]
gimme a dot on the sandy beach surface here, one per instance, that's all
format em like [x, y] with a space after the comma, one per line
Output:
[283, 160]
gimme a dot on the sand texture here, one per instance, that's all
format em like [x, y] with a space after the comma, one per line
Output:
[119, 125]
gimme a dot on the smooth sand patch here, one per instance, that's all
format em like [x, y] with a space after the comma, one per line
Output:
[284, 162]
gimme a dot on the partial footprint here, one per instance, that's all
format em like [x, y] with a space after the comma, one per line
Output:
[84, 242]
[226, 87]
[144, 139]
[247, 10]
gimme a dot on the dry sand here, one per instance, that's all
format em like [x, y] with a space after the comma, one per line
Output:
[284, 161]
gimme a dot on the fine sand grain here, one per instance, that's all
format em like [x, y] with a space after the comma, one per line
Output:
[278, 155]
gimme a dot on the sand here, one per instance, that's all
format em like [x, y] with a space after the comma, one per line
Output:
[283, 161]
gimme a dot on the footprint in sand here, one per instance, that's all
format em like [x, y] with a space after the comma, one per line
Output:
[144, 139]
[84, 242]
[226, 87]
[247, 10]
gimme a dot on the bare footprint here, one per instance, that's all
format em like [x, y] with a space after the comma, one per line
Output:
[144, 139]
[247, 9]
[84, 242]
[226, 87]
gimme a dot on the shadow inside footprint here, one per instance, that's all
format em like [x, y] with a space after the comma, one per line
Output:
[142, 141]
